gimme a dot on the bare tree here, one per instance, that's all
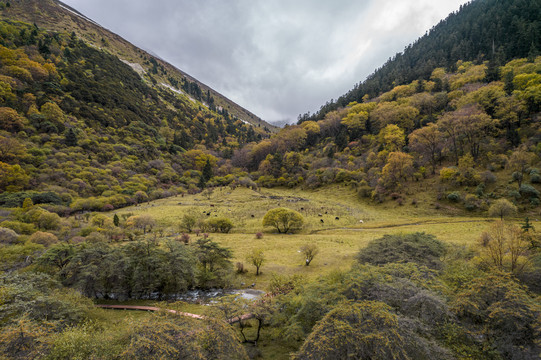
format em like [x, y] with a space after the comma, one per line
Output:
[309, 251]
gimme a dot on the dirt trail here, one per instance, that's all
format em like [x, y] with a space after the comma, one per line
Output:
[429, 222]
[153, 308]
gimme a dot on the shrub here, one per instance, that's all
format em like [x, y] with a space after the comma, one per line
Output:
[240, 267]
[185, 238]
[222, 225]
[471, 202]
[480, 189]
[43, 238]
[448, 174]
[365, 191]
[48, 221]
[454, 196]
[514, 194]
[96, 237]
[19, 227]
[535, 178]
[528, 190]
[7, 236]
[420, 248]
[488, 177]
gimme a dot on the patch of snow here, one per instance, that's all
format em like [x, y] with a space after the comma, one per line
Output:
[138, 68]
[175, 90]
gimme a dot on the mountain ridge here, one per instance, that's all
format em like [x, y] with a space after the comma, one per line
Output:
[55, 15]
[467, 34]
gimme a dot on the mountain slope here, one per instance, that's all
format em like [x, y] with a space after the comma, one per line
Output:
[481, 30]
[77, 122]
[56, 16]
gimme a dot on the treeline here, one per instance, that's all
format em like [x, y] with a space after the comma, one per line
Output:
[139, 270]
[482, 30]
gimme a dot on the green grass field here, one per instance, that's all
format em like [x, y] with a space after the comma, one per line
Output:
[338, 239]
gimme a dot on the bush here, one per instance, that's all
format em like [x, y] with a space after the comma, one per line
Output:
[454, 196]
[19, 227]
[222, 225]
[185, 238]
[16, 199]
[535, 178]
[43, 238]
[448, 174]
[365, 191]
[488, 177]
[480, 189]
[7, 236]
[48, 221]
[420, 248]
[528, 191]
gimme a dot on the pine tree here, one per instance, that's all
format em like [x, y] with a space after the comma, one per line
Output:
[71, 138]
[207, 171]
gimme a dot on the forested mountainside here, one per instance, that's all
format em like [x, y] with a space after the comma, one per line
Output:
[77, 121]
[482, 30]
[464, 137]
[53, 15]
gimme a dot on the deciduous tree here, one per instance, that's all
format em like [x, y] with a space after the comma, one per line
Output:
[283, 219]
[256, 258]
[309, 251]
[502, 208]
[427, 141]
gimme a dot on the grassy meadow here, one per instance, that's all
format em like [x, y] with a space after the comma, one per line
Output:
[332, 221]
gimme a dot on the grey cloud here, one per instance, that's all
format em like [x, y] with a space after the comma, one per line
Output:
[277, 58]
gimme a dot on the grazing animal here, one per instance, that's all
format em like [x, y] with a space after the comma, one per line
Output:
[211, 205]
[337, 218]
[208, 214]
[326, 212]
[320, 215]
[252, 215]
[302, 208]
[252, 285]
[360, 221]
[321, 220]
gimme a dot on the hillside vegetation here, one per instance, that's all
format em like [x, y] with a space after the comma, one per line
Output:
[399, 224]
[482, 30]
[462, 139]
[77, 122]
[56, 16]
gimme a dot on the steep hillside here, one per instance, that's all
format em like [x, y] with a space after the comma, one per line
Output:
[456, 142]
[76, 121]
[56, 16]
[482, 30]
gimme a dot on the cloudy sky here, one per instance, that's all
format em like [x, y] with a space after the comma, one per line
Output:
[277, 58]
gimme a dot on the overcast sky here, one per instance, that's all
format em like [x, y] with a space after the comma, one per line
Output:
[277, 58]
